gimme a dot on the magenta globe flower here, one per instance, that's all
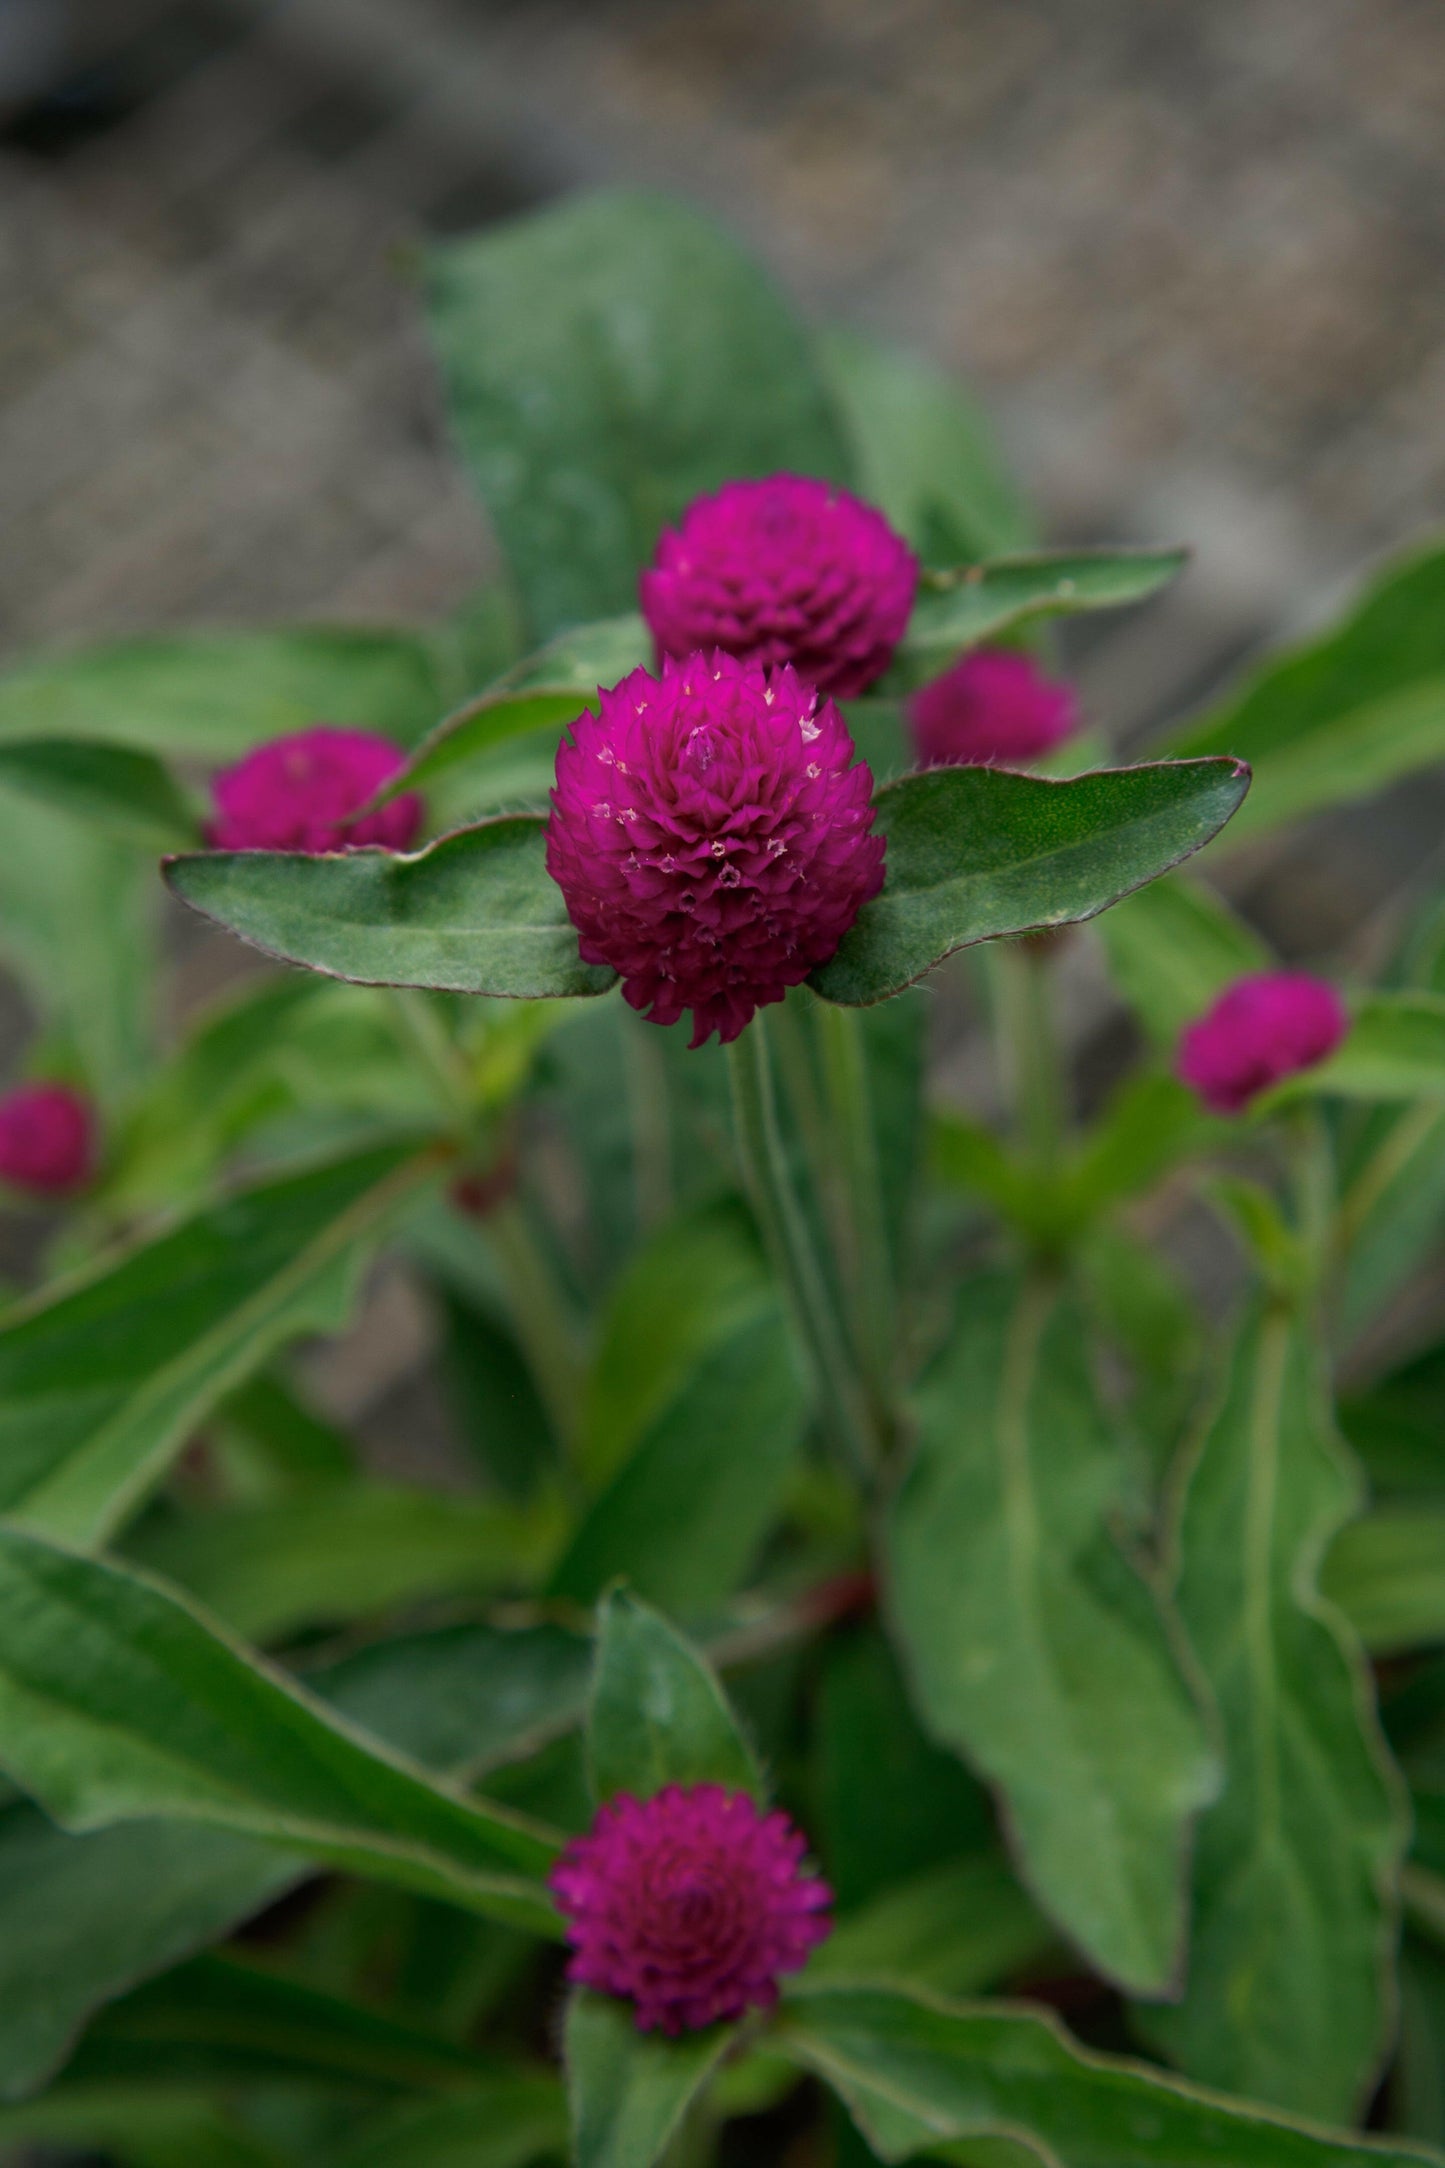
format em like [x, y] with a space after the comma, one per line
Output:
[302, 794]
[690, 1905]
[1260, 1031]
[994, 708]
[787, 570]
[711, 835]
[47, 1139]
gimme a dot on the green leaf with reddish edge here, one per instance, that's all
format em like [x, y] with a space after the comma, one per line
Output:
[962, 608]
[606, 361]
[103, 1381]
[1343, 715]
[1032, 1644]
[954, 2080]
[474, 913]
[1394, 1049]
[1289, 1996]
[113, 786]
[657, 1714]
[630, 2090]
[1172, 949]
[974, 853]
[119, 1702]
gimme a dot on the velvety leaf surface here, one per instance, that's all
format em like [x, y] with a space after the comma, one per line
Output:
[918, 2073]
[978, 852]
[114, 786]
[215, 694]
[1342, 715]
[1288, 1996]
[102, 1382]
[592, 356]
[922, 453]
[657, 1714]
[117, 1702]
[628, 2090]
[685, 1515]
[961, 609]
[1033, 1646]
[474, 913]
[1172, 949]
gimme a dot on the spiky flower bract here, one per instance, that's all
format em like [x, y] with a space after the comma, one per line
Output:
[711, 834]
[785, 570]
[47, 1139]
[303, 793]
[1261, 1030]
[690, 1905]
[994, 708]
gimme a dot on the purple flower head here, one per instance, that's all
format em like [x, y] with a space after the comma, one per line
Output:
[1259, 1031]
[784, 570]
[47, 1139]
[711, 838]
[300, 793]
[994, 708]
[689, 1904]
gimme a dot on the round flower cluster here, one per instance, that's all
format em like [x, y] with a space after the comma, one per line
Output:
[994, 708]
[1261, 1030]
[785, 570]
[711, 835]
[689, 1904]
[302, 794]
[47, 1139]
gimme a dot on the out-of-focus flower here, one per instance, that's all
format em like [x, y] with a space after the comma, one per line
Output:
[994, 708]
[302, 794]
[47, 1139]
[786, 570]
[712, 837]
[690, 1904]
[1261, 1030]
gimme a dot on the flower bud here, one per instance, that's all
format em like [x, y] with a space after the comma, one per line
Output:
[1260, 1031]
[302, 794]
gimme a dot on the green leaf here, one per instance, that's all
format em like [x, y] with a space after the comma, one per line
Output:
[216, 694]
[1387, 1574]
[962, 608]
[1397, 1425]
[342, 1553]
[114, 786]
[157, 2126]
[1341, 716]
[1033, 1645]
[629, 2090]
[684, 1517]
[494, 1398]
[658, 1715]
[1172, 948]
[503, 2124]
[1149, 1125]
[978, 852]
[102, 1382]
[956, 1928]
[474, 913]
[87, 1916]
[1392, 1207]
[922, 453]
[606, 362]
[117, 1702]
[1395, 1049]
[1288, 1996]
[921, 2075]
[543, 692]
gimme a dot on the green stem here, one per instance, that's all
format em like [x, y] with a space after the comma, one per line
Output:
[1025, 995]
[785, 1231]
[648, 1096]
[541, 1317]
[854, 1132]
[426, 1037]
[1312, 1171]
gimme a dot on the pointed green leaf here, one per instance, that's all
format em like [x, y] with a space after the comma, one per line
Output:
[118, 1702]
[923, 2076]
[114, 786]
[1326, 723]
[658, 1715]
[1288, 1996]
[1172, 948]
[960, 609]
[474, 913]
[978, 852]
[629, 2090]
[103, 1381]
[1034, 1647]
[606, 362]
